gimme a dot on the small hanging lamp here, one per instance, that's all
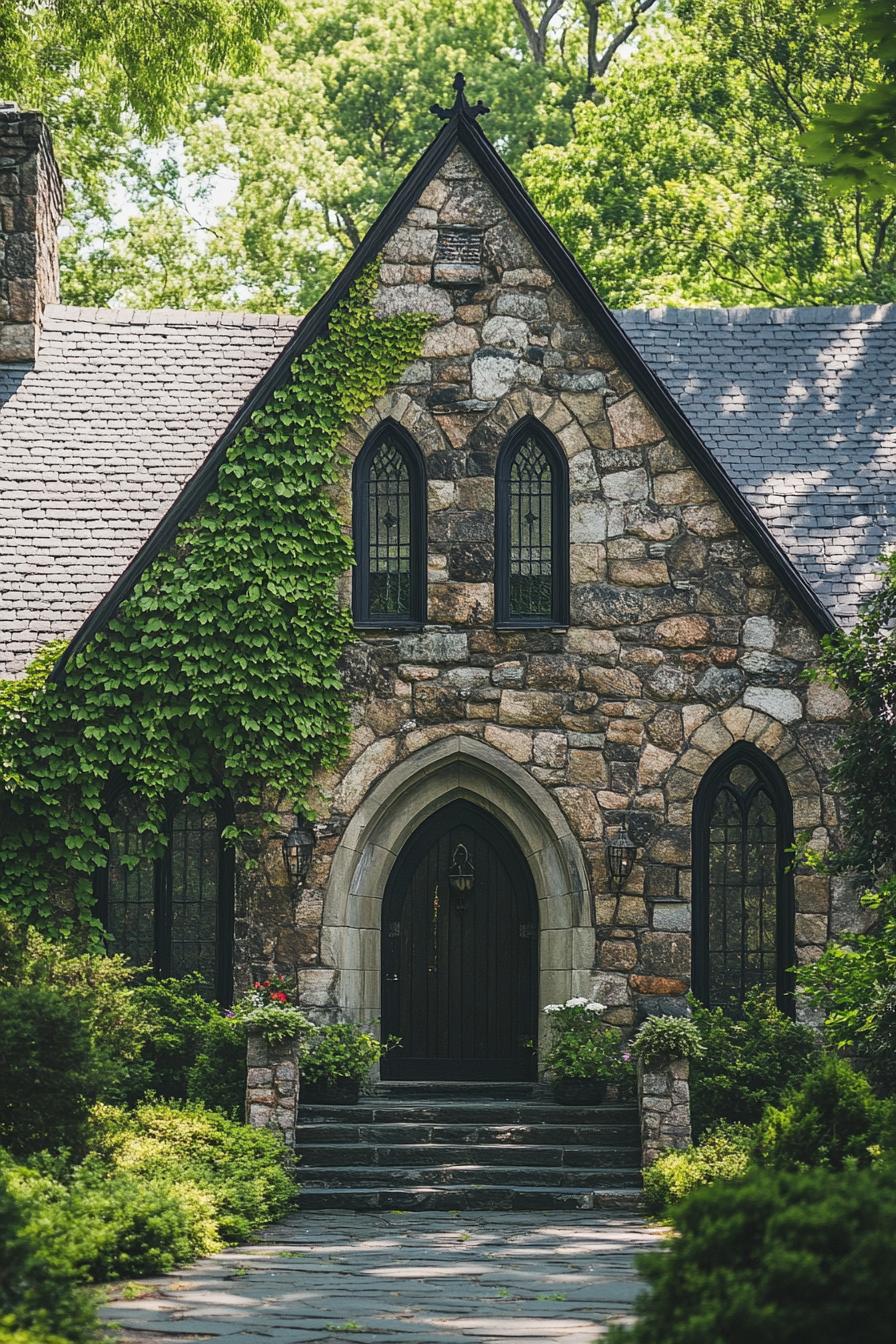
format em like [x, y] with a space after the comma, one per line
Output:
[621, 852]
[298, 846]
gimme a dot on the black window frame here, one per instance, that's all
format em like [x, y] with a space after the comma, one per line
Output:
[413, 458]
[744, 753]
[163, 904]
[527, 428]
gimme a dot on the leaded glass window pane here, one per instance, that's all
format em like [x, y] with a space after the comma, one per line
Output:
[530, 589]
[389, 532]
[743, 888]
[131, 900]
[194, 894]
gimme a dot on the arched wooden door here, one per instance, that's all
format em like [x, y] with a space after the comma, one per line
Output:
[460, 952]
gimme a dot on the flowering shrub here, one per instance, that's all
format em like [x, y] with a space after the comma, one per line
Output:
[583, 1046]
[266, 1008]
[342, 1051]
[663, 1038]
[723, 1154]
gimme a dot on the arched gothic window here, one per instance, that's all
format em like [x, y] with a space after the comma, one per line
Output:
[743, 891]
[531, 530]
[389, 498]
[174, 913]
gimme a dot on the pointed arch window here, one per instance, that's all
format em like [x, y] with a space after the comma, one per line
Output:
[743, 891]
[389, 521]
[531, 530]
[173, 912]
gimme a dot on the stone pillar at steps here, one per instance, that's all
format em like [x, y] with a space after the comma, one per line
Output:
[272, 1084]
[664, 1100]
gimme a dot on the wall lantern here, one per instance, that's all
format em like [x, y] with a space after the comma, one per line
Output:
[298, 846]
[621, 851]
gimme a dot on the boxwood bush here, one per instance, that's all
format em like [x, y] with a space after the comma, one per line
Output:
[782, 1257]
[834, 1119]
[722, 1154]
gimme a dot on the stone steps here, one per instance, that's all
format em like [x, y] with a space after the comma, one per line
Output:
[473, 1146]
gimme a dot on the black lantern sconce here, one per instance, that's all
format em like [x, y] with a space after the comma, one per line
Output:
[298, 846]
[621, 852]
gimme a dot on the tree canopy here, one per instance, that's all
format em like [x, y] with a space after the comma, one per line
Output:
[688, 151]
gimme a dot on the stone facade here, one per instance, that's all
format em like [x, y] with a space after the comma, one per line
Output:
[681, 642]
[30, 211]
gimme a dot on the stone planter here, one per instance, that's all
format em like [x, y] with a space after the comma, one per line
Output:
[579, 1091]
[333, 1092]
[272, 1084]
[664, 1097]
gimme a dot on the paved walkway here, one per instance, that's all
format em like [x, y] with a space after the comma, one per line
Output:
[413, 1278]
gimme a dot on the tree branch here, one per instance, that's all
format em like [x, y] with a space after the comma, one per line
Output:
[639, 8]
[537, 37]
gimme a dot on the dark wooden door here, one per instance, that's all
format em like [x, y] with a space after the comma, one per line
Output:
[460, 952]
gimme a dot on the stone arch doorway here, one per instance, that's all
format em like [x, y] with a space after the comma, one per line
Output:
[460, 952]
[455, 768]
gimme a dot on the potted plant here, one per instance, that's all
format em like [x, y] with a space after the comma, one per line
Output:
[266, 1008]
[336, 1060]
[586, 1053]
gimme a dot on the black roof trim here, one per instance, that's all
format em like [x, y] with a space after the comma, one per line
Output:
[461, 128]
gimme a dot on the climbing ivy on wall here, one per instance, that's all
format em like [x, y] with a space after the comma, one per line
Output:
[219, 674]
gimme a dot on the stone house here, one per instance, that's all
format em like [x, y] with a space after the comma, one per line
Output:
[595, 553]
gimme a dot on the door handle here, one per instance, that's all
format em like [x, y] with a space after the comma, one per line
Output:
[393, 979]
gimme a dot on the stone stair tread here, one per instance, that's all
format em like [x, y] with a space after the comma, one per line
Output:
[461, 1111]
[611, 1135]
[459, 1197]
[469, 1173]
[500, 1154]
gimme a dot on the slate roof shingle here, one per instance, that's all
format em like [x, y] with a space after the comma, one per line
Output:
[96, 441]
[121, 407]
[799, 407]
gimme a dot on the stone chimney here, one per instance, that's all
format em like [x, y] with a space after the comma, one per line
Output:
[30, 211]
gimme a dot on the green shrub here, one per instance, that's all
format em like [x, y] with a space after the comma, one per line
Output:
[47, 1076]
[662, 1038]
[39, 1293]
[779, 1257]
[341, 1051]
[248, 1173]
[833, 1119]
[179, 1015]
[721, 1155]
[217, 1077]
[750, 1061]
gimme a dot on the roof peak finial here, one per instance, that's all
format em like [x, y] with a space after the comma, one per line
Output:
[461, 107]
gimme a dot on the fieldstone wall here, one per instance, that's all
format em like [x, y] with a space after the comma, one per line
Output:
[30, 211]
[680, 643]
[272, 1085]
[664, 1099]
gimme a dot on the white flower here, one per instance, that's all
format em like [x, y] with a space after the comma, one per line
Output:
[594, 1007]
[576, 1003]
[553, 1008]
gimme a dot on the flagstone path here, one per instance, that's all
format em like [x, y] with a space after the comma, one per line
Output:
[401, 1278]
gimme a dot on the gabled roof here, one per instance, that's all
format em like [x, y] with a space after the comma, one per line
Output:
[277, 342]
[799, 406]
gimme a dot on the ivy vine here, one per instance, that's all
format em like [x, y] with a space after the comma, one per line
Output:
[219, 675]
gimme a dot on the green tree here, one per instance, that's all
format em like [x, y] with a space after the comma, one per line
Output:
[856, 137]
[686, 180]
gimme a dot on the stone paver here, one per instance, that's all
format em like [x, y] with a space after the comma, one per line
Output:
[418, 1278]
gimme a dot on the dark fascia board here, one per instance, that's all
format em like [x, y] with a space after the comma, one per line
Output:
[462, 129]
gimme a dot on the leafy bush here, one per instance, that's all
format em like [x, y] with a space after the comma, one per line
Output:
[833, 1120]
[777, 1256]
[664, 1038]
[721, 1155]
[47, 1078]
[217, 1077]
[38, 1289]
[342, 1051]
[179, 1014]
[750, 1061]
[582, 1045]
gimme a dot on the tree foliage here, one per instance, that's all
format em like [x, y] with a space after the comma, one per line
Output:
[220, 673]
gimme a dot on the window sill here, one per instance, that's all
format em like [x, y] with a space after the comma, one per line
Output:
[555, 626]
[393, 627]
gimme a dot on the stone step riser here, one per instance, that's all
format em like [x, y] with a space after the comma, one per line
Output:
[564, 1135]
[455, 1198]
[454, 1134]
[431, 1154]
[463, 1112]
[517, 1177]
